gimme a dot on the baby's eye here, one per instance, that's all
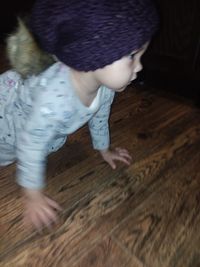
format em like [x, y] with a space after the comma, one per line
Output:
[132, 55]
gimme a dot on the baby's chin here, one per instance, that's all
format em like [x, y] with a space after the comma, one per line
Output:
[124, 87]
[119, 89]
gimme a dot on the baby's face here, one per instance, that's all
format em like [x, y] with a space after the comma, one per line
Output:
[119, 74]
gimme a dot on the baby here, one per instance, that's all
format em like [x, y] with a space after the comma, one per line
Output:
[68, 62]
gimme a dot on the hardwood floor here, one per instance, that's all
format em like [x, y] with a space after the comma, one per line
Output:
[146, 215]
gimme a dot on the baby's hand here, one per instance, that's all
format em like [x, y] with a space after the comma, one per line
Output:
[39, 209]
[119, 154]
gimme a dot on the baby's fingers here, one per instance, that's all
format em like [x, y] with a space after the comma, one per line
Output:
[123, 152]
[36, 221]
[43, 218]
[126, 156]
[48, 217]
[53, 204]
[111, 162]
[122, 159]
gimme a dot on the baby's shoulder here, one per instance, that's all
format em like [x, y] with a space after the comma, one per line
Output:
[53, 83]
[51, 89]
[55, 77]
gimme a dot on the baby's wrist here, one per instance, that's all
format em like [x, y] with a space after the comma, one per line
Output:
[31, 193]
[104, 151]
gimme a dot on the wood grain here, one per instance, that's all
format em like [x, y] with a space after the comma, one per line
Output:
[163, 230]
[106, 254]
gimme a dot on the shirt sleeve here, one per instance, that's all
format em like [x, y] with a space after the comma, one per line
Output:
[34, 139]
[99, 125]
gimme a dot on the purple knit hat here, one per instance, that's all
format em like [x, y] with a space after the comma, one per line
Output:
[90, 34]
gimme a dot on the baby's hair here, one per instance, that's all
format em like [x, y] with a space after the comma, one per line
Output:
[24, 53]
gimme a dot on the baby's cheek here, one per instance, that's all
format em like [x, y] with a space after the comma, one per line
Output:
[123, 81]
[126, 75]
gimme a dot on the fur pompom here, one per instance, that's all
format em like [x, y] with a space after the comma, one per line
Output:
[24, 54]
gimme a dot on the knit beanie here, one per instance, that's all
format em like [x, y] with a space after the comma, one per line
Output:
[90, 34]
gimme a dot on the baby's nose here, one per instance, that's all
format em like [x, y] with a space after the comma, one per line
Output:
[138, 67]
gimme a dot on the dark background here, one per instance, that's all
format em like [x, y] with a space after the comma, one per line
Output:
[172, 62]
[9, 11]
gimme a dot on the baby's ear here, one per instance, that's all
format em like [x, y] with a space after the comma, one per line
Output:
[24, 54]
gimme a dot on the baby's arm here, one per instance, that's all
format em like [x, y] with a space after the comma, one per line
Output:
[32, 150]
[99, 130]
[31, 165]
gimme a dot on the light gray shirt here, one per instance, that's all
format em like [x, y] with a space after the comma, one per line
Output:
[37, 115]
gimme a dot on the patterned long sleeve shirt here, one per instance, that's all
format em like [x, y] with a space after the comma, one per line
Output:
[37, 115]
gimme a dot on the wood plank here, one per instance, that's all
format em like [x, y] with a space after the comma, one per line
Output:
[106, 254]
[164, 229]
